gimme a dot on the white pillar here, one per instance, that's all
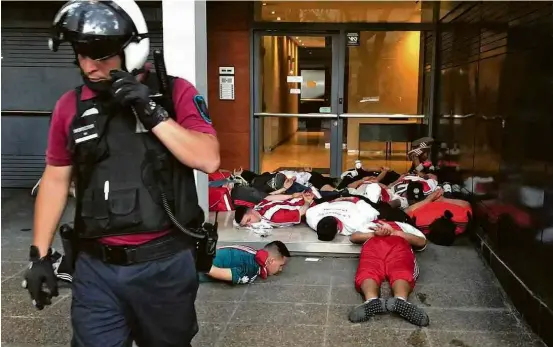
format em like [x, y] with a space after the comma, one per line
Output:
[185, 52]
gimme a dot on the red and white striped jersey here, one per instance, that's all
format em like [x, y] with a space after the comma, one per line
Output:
[281, 213]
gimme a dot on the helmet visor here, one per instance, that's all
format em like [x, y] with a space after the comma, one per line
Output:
[100, 49]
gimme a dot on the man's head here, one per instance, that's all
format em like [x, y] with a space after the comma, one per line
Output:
[278, 256]
[245, 216]
[105, 35]
[415, 191]
[327, 228]
[442, 230]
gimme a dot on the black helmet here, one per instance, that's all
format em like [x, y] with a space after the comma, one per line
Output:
[103, 29]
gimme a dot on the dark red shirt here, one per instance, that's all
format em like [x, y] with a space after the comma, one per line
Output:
[58, 154]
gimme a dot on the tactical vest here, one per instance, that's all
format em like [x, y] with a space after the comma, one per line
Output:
[121, 172]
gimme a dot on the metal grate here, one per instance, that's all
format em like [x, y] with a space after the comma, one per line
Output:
[21, 171]
[28, 47]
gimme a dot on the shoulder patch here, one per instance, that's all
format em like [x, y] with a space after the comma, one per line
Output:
[201, 106]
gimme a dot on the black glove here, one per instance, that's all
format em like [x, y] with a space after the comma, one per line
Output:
[40, 280]
[128, 91]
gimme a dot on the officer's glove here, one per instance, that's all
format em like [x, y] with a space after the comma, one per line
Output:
[128, 91]
[41, 282]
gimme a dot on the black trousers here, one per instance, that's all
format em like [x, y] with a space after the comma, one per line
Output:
[150, 303]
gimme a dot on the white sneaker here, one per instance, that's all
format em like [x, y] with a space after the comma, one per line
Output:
[315, 192]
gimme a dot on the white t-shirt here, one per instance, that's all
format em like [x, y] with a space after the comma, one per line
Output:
[352, 215]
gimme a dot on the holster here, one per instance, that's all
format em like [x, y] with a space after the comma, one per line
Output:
[207, 247]
[69, 244]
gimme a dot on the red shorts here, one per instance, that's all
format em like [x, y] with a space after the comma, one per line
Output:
[388, 257]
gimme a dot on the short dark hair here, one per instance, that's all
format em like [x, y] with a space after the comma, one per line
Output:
[327, 228]
[279, 247]
[239, 213]
[442, 230]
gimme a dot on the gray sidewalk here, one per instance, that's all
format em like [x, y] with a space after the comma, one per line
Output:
[307, 305]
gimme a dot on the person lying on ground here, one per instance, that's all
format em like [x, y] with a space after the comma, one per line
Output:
[340, 216]
[288, 210]
[439, 218]
[350, 176]
[387, 253]
[412, 188]
[242, 264]
[300, 180]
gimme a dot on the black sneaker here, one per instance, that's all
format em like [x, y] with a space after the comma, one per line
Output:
[367, 310]
[408, 311]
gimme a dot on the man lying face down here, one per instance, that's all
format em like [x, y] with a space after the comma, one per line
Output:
[275, 211]
[340, 216]
[387, 253]
[349, 214]
[439, 218]
[242, 264]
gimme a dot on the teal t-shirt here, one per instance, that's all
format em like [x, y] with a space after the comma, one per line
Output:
[240, 260]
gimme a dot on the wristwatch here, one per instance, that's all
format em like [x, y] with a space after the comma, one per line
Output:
[158, 113]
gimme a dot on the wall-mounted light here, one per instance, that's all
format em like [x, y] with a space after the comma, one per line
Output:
[278, 18]
[264, 4]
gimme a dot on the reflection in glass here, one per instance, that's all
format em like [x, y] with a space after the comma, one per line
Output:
[295, 79]
[382, 77]
[344, 11]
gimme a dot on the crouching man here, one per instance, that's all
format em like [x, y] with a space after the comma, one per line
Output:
[242, 264]
[387, 253]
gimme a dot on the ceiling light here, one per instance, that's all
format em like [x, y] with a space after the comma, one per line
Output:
[278, 18]
[297, 37]
[264, 4]
[272, 12]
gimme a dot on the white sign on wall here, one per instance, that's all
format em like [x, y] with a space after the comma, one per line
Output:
[294, 79]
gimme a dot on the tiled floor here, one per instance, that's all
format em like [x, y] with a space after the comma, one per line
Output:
[306, 305]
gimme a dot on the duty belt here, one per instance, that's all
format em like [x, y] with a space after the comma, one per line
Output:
[162, 247]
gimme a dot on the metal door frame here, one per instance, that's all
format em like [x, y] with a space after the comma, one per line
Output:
[338, 45]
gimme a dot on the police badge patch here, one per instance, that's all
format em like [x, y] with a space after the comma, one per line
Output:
[201, 105]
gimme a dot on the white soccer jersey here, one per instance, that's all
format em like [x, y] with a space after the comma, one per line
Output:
[352, 215]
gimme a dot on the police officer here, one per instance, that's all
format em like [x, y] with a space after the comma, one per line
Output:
[131, 153]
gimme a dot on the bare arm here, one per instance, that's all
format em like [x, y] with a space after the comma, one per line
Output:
[278, 197]
[359, 238]
[49, 205]
[437, 194]
[413, 240]
[192, 148]
[220, 274]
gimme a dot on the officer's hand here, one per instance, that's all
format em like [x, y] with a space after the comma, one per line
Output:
[127, 90]
[40, 280]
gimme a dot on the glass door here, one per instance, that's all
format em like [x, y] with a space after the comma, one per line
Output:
[295, 97]
[382, 103]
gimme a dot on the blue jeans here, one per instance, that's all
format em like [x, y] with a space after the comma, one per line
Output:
[151, 303]
[219, 183]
